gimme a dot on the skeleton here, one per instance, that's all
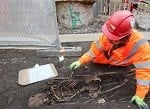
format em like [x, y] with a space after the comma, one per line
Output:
[62, 89]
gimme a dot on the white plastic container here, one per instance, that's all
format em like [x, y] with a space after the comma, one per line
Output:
[36, 74]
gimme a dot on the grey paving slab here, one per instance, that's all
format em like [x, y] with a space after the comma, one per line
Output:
[87, 37]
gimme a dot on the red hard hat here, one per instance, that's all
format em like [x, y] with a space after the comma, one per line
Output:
[119, 25]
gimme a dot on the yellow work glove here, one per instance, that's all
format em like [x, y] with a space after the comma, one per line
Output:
[139, 102]
[75, 65]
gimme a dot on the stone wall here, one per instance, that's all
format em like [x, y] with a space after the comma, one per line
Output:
[74, 14]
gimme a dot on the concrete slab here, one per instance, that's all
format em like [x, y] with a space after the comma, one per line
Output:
[67, 51]
[74, 51]
[87, 37]
[69, 38]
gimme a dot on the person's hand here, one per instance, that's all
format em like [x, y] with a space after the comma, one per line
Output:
[75, 65]
[139, 102]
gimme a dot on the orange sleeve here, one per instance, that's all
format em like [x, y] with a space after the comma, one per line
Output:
[142, 91]
[94, 49]
[142, 64]
[85, 59]
[142, 74]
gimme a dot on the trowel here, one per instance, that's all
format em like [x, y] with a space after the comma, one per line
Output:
[36, 74]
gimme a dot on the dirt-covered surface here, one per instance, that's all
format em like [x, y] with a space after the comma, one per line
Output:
[14, 96]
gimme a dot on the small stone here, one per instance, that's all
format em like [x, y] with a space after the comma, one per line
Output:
[37, 100]
[100, 101]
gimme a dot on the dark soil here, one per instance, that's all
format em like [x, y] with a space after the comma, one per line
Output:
[14, 96]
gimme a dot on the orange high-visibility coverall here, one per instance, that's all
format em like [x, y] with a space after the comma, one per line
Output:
[136, 51]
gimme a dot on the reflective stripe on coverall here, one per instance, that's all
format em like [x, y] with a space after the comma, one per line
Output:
[136, 51]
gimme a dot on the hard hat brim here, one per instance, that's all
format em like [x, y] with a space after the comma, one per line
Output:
[108, 34]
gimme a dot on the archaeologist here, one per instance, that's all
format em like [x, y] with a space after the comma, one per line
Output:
[121, 45]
